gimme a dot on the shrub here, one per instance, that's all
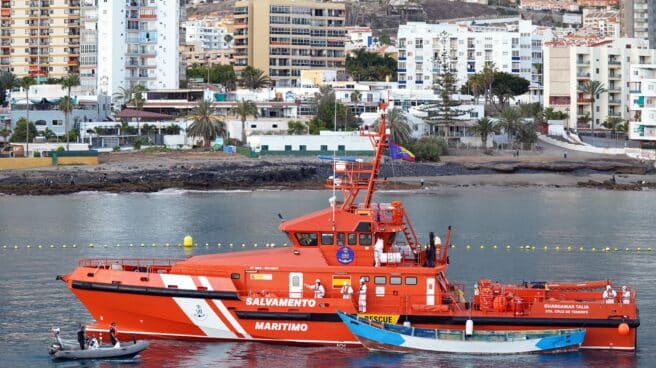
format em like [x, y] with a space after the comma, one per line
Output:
[137, 144]
[429, 149]
[60, 149]
[116, 149]
[37, 154]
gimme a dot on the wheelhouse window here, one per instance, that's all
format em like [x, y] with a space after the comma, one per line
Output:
[411, 280]
[327, 239]
[365, 239]
[307, 238]
[340, 239]
[395, 280]
[380, 280]
[352, 239]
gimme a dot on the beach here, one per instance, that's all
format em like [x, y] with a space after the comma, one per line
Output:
[202, 170]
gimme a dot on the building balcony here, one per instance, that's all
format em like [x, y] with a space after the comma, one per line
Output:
[614, 89]
[582, 75]
[614, 101]
[615, 76]
[581, 62]
[614, 113]
[583, 100]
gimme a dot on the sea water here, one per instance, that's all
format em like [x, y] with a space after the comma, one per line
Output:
[41, 237]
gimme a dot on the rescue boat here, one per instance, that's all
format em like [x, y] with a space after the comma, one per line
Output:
[268, 295]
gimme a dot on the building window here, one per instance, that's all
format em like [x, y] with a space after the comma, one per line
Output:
[264, 148]
[302, 148]
[341, 147]
[288, 148]
[324, 147]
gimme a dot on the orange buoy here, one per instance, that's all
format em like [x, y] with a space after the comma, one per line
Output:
[623, 329]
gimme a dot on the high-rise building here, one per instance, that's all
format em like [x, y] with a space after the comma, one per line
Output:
[639, 19]
[206, 33]
[283, 37]
[512, 45]
[642, 86]
[138, 44]
[88, 45]
[40, 38]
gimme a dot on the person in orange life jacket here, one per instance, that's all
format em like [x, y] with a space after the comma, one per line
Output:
[362, 299]
[319, 290]
[609, 295]
[112, 334]
[347, 290]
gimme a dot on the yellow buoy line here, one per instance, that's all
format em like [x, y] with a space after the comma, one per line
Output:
[188, 243]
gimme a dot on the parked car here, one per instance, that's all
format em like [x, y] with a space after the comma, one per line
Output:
[12, 150]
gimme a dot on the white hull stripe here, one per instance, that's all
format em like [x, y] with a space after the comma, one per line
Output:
[197, 310]
[224, 311]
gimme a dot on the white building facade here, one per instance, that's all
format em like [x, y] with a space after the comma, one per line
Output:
[466, 48]
[567, 69]
[642, 87]
[206, 33]
[139, 45]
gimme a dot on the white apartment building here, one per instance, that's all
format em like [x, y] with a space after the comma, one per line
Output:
[512, 45]
[138, 44]
[88, 45]
[642, 86]
[206, 33]
[567, 68]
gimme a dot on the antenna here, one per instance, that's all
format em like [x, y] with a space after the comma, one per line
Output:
[333, 199]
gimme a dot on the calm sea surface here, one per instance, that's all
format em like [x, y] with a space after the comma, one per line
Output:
[31, 301]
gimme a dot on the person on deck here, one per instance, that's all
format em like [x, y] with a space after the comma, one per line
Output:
[319, 290]
[362, 299]
[626, 295]
[112, 335]
[82, 336]
[347, 290]
[609, 295]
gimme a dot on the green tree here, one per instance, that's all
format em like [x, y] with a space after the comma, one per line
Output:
[7, 81]
[506, 86]
[584, 120]
[510, 121]
[26, 83]
[356, 96]
[527, 135]
[363, 65]
[444, 112]
[22, 131]
[330, 113]
[484, 127]
[205, 124]
[428, 149]
[68, 83]
[613, 123]
[243, 110]
[221, 74]
[253, 78]
[592, 89]
[397, 122]
[296, 127]
[4, 133]
[385, 39]
[228, 38]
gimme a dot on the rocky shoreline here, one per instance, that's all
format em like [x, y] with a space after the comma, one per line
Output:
[280, 173]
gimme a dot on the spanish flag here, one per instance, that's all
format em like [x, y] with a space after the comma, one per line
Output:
[400, 153]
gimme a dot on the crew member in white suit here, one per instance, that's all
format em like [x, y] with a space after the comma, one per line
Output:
[626, 295]
[319, 290]
[609, 295]
[362, 299]
[347, 290]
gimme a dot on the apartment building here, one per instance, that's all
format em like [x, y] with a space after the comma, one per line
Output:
[567, 68]
[40, 38]
[88, 45]
[283, 37]
[139, 44]
[512, 45]
[639, 19]
[642, 86]
[206, 33]
[605, 23]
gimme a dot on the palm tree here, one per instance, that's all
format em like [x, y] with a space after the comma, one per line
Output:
[124, 95]
[253, 78]
[510, 120]
[67, 83]
[66, 106]
[205, 124]
[26, 83]
[484, 127]
[526, 135]
[584, 120]
[613, 123]
[488, 79]
[132, 95]
[397, 122]
[243, 110]
[593, 89]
